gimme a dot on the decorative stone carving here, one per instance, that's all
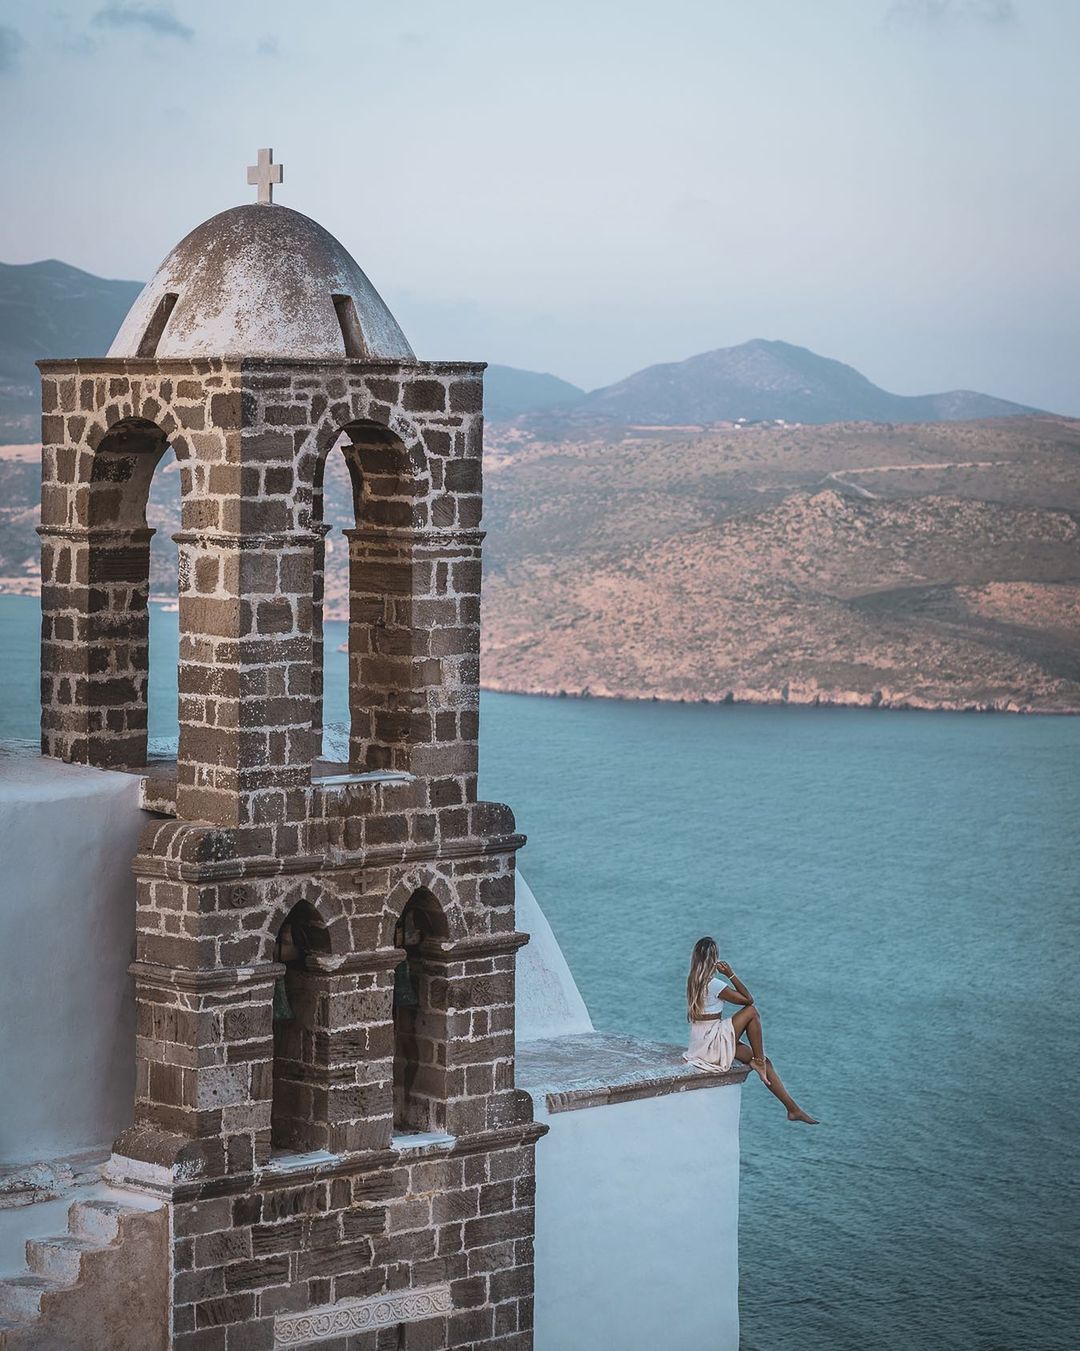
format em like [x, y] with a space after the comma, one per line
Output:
[361, 1315]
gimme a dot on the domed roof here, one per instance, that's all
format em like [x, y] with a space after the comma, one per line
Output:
[260, 281]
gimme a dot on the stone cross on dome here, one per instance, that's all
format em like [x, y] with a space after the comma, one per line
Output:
[264, 175]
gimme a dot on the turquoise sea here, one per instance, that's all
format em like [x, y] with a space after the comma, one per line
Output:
[899, 890]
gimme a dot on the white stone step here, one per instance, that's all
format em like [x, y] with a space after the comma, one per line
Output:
[98, 1220]
[20, 1296]
[60, 1258]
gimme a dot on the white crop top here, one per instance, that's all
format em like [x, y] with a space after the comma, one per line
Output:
[713, 1002]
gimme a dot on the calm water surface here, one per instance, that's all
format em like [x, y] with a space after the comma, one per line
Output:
[899, 891]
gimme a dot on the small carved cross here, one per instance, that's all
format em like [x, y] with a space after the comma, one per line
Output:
[264, 175]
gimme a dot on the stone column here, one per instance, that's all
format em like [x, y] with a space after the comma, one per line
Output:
[318, 643]
[245, 677]
[470, 991]
[203, 1068]
[414, 663]
[333, 1067]
[94, 644]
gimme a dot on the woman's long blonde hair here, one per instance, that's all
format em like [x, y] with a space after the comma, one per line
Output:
[702, 969]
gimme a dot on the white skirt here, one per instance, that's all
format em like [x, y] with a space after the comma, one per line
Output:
[712, 1044]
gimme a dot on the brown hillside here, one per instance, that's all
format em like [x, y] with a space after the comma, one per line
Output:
[927, 565]
[918, 565]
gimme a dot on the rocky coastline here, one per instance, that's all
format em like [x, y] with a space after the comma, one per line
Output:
[792, 697]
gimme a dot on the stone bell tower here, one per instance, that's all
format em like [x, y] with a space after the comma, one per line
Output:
[344, 1166]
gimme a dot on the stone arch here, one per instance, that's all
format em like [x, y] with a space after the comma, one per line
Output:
[420, 1018]
[388, 488]
[327, 905]
[442, 894]
[429, 915]
[122, 466]
[359, 422]
[387, 470]
[298, 1118]
[109, 479]
[309, 934]
[152, 408]
[125, 435]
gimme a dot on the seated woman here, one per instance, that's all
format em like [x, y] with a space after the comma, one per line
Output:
[716, 1040]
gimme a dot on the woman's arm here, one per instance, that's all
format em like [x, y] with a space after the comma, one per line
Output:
[736, 992]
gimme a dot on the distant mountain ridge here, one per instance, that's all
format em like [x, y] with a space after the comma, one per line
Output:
[509, 392]
[50, 309]
[764, 380]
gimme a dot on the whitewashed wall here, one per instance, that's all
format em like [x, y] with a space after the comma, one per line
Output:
[637, 1217]
[637, 1203]
[67, 930]
[68, 835]
[549, 1003]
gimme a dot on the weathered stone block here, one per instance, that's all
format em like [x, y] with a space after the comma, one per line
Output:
[466, 396]
[254, 1335]
[227, 411]
[333, 1261]
[231, 1309]
[255, 1274]
[425, 396]
[191, 1286]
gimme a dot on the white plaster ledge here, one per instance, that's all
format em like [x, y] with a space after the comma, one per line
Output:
[599, 1069]
[295, 1162]
[348, 777]
[409, 1141]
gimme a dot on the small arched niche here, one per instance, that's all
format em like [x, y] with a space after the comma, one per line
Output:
[419, 1022]
[297, 1117]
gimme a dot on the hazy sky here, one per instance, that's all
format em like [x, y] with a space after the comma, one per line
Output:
[591, 186]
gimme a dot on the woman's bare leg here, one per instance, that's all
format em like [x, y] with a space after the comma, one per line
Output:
[749, 1020]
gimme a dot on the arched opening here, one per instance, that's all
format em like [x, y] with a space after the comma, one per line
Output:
[336, 495]
[362, 641]
[123, 467]
[128, 503]
[163, 518]
[419, 1025]
[296, 1123]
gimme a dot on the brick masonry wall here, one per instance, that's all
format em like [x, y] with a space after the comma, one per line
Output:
[204, 990]
[208, 1082]
[251, 439]
[218, 1086]
[463, 1217]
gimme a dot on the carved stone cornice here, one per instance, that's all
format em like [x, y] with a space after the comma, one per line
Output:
[100, 534]
[466, 949]
[445, 541]
[378, 959]
[230, 539]
[354, 366]
[219, 870]
[350, 1165]
[202, 980]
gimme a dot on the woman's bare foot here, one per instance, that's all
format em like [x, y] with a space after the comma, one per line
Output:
[759, 1066]
[799, 1115]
